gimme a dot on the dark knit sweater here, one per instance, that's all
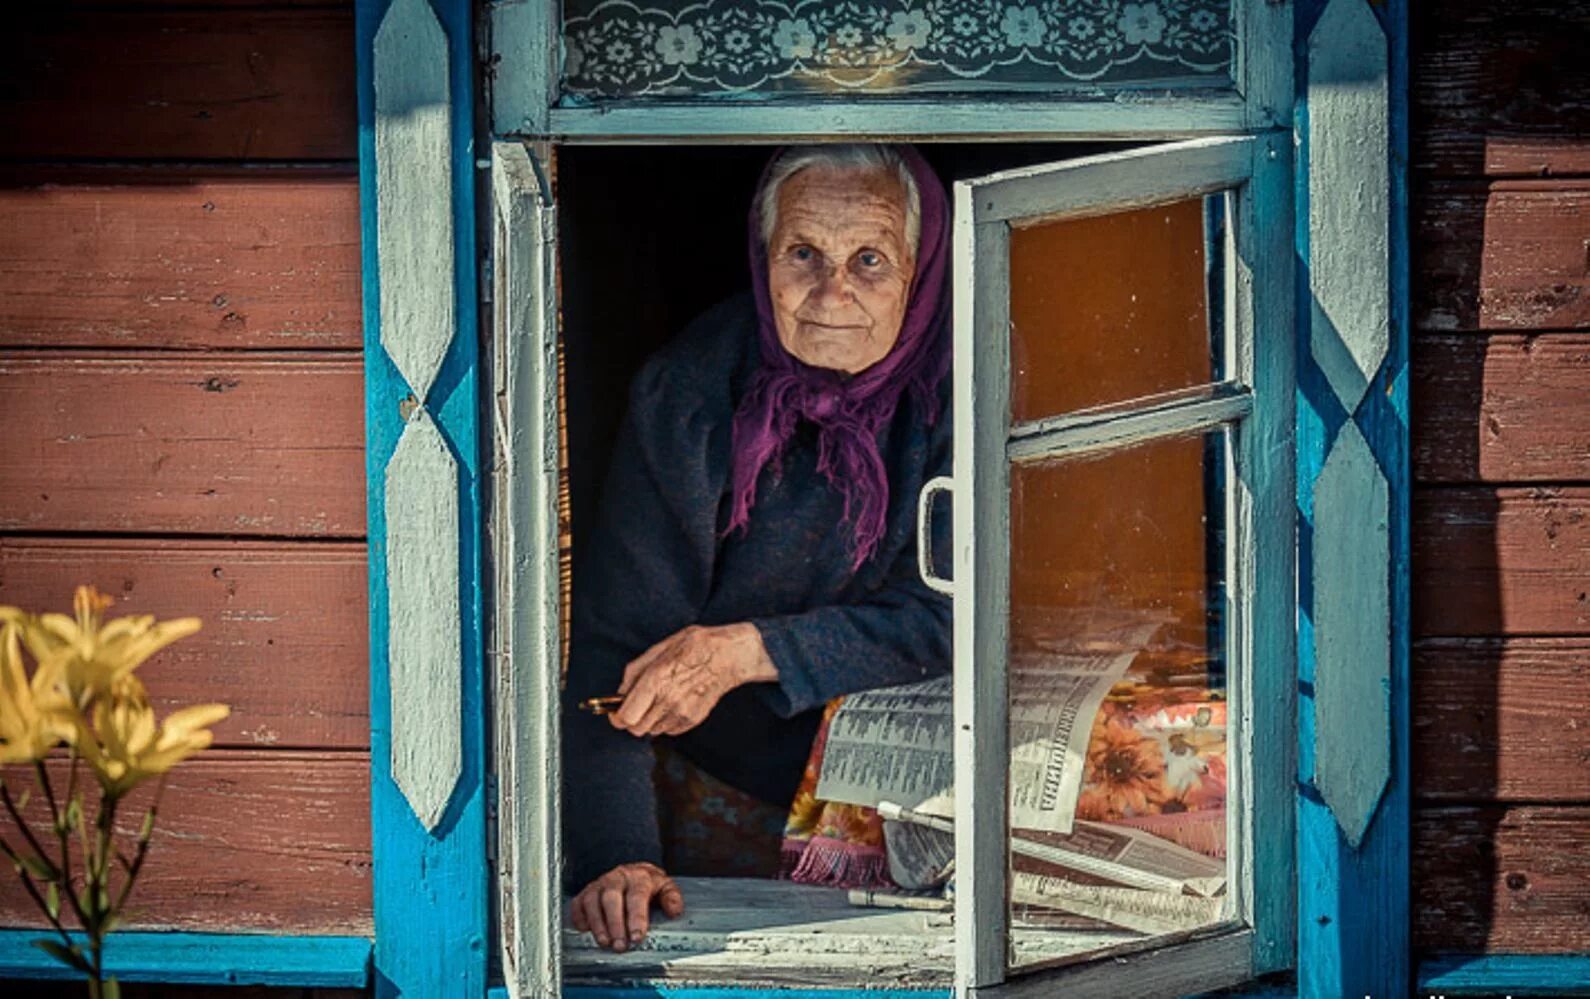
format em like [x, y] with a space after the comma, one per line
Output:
[657, 562]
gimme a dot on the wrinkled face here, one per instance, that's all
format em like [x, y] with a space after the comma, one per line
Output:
[839, 267]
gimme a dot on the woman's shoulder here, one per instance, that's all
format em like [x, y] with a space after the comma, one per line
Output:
[705, 363]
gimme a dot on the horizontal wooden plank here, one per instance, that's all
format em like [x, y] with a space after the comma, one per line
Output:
[1501, 719]
[283, 641]
[1501, 408]
[267, 841]
[1501, 879]
[220, 445]
[1507, 255]
[265, 260]
[1501, 87]
[133, 990]
[178, 85]
[1507, 561]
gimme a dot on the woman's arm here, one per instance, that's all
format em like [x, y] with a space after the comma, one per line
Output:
[643, 574]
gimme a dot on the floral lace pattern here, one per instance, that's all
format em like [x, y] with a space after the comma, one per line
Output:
[619, 48]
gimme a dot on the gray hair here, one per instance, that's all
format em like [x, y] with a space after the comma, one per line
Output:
[866, 157]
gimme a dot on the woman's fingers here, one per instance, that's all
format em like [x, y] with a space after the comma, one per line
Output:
[590, 903]
[637, 702]
[613, 910]
[639, 664]
[637, 907]
[577, 913]
[671, 899]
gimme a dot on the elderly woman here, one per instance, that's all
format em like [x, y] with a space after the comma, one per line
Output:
[756, 551]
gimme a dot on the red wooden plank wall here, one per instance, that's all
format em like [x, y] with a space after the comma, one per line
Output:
[181, 377]
[1501, 444]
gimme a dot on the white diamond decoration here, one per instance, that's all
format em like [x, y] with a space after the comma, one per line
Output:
[1349, 217]
[1352, 633]
[424, 631]
[413, 177]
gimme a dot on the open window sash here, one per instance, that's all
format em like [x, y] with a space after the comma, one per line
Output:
[1251, 398]
[527, 647]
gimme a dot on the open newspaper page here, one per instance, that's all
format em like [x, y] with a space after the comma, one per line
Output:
[896, 744]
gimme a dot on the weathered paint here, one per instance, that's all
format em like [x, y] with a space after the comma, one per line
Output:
[431, 885]
[981, 574]
[424, 640]
[528, 656]
[1261, 562]
[205, 959]
[1512, 974]
[1348, 219]
[414, 226]
[1113, 116]
[181, 257]
[179, 83]
[1353, 912]
[214, 445]
[247, 841]
[1352, 679]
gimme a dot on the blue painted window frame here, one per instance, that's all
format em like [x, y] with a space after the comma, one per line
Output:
[1346, 896]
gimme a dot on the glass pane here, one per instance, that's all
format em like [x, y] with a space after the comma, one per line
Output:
[1118, 707]
[688, 48]
[1116, 306]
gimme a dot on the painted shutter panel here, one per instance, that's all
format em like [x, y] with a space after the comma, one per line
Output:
[428, 759]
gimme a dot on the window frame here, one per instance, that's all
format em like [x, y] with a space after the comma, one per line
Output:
[526, 77]
[1255, 403]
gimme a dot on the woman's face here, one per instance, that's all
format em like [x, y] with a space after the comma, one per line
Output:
[839, 267]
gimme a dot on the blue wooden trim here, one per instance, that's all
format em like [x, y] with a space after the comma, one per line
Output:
[1353, 907]
[431, 889]
[1506, 974]
[204, 959]
[664, 991]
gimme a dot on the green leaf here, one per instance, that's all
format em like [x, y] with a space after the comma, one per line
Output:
[23, 798]
[74, 813]
[37, 867]
[109, 923]
[71, 958]
[148, 826]
[52, 900]
[110, 988]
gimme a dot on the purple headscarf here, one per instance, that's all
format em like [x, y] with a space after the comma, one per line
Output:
[848, 411]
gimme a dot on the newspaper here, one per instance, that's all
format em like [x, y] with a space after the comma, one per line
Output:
[1130, 908]
[1118, 854]
[897, 744]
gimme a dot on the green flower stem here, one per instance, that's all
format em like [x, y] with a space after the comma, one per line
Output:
[64, 832]
[99, 887]
[27, 882]
[27, 831]
[144, 835]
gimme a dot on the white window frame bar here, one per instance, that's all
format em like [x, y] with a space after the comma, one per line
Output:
[527, 69]
[1256, 404]
[526, 628]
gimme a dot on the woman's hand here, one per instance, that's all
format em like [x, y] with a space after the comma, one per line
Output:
[672, 686]
[616, 907]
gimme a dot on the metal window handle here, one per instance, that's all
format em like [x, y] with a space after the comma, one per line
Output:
[924, 534]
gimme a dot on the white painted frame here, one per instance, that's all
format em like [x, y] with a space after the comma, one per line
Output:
[1256, 405]
[526, 652]
[527, 49]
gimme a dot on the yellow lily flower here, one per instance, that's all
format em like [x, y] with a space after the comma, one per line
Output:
[95, 657]
[35, 715]
[126, 748]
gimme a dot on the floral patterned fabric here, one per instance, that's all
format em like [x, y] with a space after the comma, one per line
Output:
[830, 843]
[1157, 761]
[622, 48]
[710, 828]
